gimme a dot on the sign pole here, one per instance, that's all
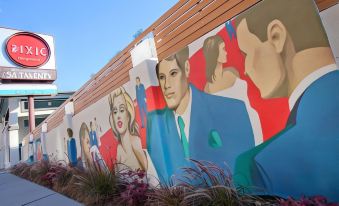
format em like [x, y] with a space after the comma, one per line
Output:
[31, 117]
[31, 122]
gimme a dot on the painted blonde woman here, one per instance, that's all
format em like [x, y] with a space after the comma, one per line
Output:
[125, 129]
[90, 153]
[226, 82]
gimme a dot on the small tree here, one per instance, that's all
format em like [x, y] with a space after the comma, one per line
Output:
[137, 33]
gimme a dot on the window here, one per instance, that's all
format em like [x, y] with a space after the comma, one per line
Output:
[42, 104]
[38, 120]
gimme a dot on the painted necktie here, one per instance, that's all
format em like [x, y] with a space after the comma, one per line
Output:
[184, 141]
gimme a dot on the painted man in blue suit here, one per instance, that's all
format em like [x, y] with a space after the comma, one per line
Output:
[287, 58]
[141, 100]
[194, 124]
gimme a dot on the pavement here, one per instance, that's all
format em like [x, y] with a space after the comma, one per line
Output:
[17, 191]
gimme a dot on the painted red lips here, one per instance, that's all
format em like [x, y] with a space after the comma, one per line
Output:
[119, 124]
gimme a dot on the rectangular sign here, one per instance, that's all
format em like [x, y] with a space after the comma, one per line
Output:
[26, 56]
[27, 74]
[11, 90]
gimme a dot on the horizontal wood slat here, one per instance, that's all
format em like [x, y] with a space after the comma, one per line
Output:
[210, 21]
[196, 21]
[109, 78]
[185, 22]
[325, 4]
[175, 17]
[97, 96]
[124, 79]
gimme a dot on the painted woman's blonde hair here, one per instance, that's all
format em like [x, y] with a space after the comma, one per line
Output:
[83, 135]
[133, 127]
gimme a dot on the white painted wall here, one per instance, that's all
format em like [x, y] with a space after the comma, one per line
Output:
[330, 18]
[55, 139]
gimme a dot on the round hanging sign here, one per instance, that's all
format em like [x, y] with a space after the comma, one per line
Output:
[27, 50]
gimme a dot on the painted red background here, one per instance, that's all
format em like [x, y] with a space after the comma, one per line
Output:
[273, 113]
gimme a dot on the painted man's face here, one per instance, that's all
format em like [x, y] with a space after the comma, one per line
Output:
[262, 64]
[137, 80]
[120, 114]
[173, 82]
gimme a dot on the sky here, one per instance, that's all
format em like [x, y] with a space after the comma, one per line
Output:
[87, 34]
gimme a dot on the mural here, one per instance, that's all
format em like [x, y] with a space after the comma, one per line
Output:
[91, 156]
[38, 149]
[71, 148]
[287, 58]
[225, 81]
[256, 96]
[141, 100]
[125, 128]
[271, 64]
[194, 124]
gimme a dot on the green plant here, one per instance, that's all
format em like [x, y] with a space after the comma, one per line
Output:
[212, 185]
[135, 187]
[208, 185]
[98, 187]
[203, 183]
[307, 201]
[167, 194]
[21, 169]
[38, 173]
[66, 183]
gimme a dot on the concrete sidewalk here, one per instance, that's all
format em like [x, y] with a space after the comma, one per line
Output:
[17, 191]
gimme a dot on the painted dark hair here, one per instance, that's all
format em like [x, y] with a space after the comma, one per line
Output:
[211, 54]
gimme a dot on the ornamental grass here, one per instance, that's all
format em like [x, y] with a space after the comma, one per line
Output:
[204, 183]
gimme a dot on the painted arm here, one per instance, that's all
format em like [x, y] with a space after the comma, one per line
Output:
[139, 153]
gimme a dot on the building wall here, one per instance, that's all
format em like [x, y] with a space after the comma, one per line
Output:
[265, 139]
[329, 18]
[2, 147]
[23, 131]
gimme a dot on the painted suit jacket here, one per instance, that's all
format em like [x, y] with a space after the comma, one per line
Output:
[140, 93]
[219, 131]
[304, 158]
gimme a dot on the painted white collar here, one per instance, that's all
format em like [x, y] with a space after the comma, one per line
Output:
[307, 81]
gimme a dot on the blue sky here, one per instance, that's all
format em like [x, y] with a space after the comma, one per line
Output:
[87, 34]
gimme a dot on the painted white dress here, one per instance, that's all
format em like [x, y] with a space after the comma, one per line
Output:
[97, 158]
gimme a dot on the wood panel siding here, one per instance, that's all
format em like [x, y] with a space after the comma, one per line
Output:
[185, 22]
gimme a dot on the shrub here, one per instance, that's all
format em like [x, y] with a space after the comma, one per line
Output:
[211, 185]
[167, 194]
[202, 184]
[135, 188]
[21, 169]
[307, 201]
[98, 187]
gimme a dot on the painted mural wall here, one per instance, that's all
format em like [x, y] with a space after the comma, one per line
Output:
[257, 96]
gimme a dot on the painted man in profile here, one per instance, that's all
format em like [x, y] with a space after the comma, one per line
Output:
[287, 57]
[194, 124]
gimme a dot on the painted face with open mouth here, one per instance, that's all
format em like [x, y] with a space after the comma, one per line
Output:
[120, 114]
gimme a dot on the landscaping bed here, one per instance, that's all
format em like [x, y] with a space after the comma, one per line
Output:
[205, 184]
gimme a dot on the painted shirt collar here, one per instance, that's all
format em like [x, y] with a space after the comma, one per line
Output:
[307, 81]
